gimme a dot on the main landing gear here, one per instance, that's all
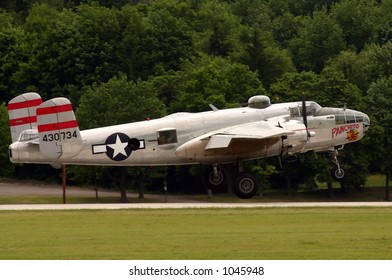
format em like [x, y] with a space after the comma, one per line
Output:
[337, 172]
[217, 178]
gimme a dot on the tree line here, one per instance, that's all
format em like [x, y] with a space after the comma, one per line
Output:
[124, 61]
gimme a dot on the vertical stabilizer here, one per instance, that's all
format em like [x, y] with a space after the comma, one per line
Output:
[22, 113]
[58, 130]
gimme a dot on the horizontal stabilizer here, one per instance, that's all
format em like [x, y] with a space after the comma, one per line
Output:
[58, 130]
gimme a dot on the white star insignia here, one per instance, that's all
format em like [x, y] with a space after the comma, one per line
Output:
[118, 147]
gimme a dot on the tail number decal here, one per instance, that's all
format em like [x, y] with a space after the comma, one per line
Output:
[59, 136]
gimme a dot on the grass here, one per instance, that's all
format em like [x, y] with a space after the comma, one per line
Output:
[278, 233]
[375, 180]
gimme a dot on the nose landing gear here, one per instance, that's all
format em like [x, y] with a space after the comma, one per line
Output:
[337, 172]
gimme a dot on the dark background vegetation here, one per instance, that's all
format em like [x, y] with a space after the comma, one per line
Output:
[122, 61]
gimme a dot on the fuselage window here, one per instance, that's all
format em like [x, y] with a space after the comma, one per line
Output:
[167, 137]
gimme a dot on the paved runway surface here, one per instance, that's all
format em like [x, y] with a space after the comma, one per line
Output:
[116, 206]
[180, 202]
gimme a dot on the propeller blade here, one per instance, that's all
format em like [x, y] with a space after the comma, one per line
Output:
[305, 114]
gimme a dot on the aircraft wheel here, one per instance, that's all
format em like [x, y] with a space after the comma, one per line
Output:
[246, 185]
[215, 182]
[338, 174]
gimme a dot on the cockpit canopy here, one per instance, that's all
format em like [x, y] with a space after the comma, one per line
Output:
[312, 108]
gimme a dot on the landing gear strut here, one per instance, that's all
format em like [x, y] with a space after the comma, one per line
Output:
[338, 172]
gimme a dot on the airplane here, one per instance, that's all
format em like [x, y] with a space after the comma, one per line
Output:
[48, 133]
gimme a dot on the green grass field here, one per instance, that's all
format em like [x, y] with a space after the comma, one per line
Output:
[272, 233]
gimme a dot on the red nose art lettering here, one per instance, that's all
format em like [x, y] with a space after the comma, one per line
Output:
[336, 131]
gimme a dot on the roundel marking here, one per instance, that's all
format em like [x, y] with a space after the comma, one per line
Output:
[117, 147]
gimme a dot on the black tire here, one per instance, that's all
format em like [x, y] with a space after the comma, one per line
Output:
[215, 183]
[337, 174]
[246, 185]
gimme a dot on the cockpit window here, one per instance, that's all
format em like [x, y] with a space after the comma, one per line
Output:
[350, 118]
[312, 108]
[359, 118]
[340, 119]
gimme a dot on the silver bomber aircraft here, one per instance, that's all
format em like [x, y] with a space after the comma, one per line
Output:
[48, 133]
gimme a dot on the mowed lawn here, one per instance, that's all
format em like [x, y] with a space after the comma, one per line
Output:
[265, 233]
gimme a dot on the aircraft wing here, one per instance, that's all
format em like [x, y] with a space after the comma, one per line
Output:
[255, 130]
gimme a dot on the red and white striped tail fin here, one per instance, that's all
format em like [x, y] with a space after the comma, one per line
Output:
[22, 113]
[58, 130]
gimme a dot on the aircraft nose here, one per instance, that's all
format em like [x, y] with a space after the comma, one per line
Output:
[366, 122]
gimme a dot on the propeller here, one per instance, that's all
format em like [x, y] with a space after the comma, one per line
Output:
[305, 114]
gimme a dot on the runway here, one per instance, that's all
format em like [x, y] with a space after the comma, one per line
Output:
[120, 206]
[174, 202]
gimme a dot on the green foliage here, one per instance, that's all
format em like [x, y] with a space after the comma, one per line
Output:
[379, 101]
[329, 89]
[118, 101]
[361, 69]
[257, 50]
[359, 19]
[6, 168]
[319, 39]
[168, 40]
[215, 26]
[215, 81]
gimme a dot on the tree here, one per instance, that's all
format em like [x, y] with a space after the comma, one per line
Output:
[216, 28]
[6, 167]
[167, 41]
[10, 36]
[360, 21]
[329, 88]
[319, 39]
[289, 86]
[129, 49]
[214, 81]
[379, 101]
[259, 51]
[366, 67]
